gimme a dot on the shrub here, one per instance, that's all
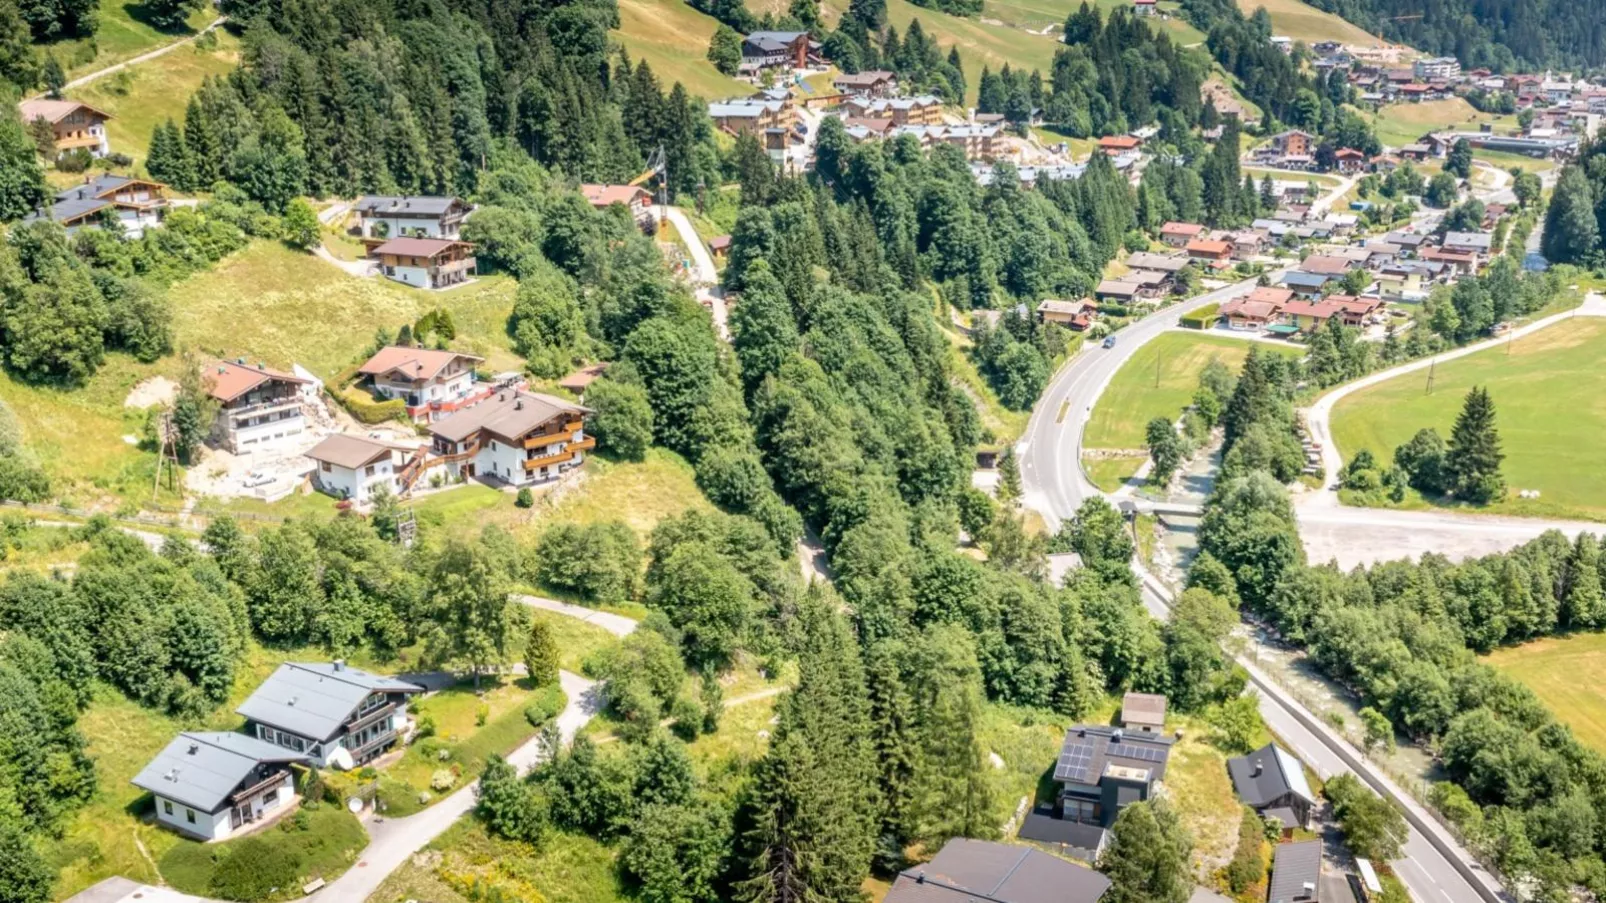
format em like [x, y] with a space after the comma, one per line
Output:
[525, 499]
[1203, 318]
[1248, 864]
[368, 410]
[688, 715]
[253, 869]
[442, 780]
[481, 715]
[545, 705]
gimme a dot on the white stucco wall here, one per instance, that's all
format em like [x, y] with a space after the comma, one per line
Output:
[344, 482]
[398, 226]
[216, 825]
[290, 423]
[502, 460]
[417, 277]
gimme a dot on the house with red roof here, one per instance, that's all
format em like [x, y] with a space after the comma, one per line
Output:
[257, 406]
[432, 383]
[1177, 235]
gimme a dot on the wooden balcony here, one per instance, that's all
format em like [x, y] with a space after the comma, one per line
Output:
[560, 457]
[543, 439]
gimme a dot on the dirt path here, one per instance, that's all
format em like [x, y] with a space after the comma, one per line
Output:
[142, 58]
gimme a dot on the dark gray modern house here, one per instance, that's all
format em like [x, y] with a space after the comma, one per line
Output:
[1101, 770]
[336, 715]
[1273, 782]
[209, 785]
[978, 871]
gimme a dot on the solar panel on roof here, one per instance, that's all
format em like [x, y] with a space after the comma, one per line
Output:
[1141, 753]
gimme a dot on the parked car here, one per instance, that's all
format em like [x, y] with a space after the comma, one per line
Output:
[1109, 341]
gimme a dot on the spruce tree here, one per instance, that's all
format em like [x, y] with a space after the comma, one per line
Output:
[814, 810]
[54, 77]
[1583, 603]
[896, 755]
[541, 653]
[1009, 487]
[202, 144]
[22, 182]
[169, 160]
[1473, 460]
[18, 64]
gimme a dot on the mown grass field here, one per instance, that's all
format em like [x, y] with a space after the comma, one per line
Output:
[1565, 673]
[1404, 123]
[1304, 22]
[466, 864]
[123, 33]
[1134, 397]
[141, 97]
[1550, 400]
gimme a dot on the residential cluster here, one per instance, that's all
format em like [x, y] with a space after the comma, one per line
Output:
[214, 785]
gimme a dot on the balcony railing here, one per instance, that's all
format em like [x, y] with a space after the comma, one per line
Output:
[363, 721]
[560, 457]
[456, 266]
[357, 753]
[272, 780]
[264, 406]
[562, 435]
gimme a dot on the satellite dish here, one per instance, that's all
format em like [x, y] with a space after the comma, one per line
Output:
[354, 804]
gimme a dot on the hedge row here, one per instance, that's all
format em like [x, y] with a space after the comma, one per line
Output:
[1203, 318]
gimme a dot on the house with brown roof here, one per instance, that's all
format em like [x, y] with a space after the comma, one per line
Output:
[516, 437]
[1462, 263]
[1308, 316]
[1077, 315]
[1349, 160]
[1355, 311]
[1177, 235]
[1327, 264]
[1115, 145]
[1206, 249]
[433, 263]
[581, 379]
[634, 197]
[1144, 712]
[256, 406]
[871, 83]
[1249, 315]
[75, 125]
[431, 383]
[353, 467]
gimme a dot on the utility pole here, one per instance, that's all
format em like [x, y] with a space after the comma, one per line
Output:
[1431, 364]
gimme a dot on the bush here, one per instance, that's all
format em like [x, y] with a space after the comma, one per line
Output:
[366, 409]
[442, 780]
[253, 869]
[545, 705]
[1248, 864]
[526, 498]
[1203, 318]
[688, 715]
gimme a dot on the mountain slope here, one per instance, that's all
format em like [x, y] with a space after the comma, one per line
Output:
[1501, 34]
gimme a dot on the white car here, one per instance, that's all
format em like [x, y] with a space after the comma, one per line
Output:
[257, 478]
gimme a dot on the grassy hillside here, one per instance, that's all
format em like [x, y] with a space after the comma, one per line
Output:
[284, 307]
[140, 97]
[1551, 667]
[124, 33]
[1404, 123]
[1304, 22]
[673, 39]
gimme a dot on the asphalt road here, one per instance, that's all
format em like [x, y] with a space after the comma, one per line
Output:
[1050, 450]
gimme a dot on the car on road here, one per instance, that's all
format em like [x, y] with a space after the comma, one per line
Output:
[1109, 341]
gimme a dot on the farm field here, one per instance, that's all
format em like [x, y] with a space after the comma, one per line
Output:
[1565, 673]
[1547, 390]
[141, 97]
[1133, 398]
[1304, 22]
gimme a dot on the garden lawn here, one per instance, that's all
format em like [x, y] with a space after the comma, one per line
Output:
[270, 303]
[466, 864]
[673, 38]
[576, 639]
[1550, 400]
[1565, 673]
[1304, 22]
[324, 839]
[1133, 398]
[455, 712]
[141, 97]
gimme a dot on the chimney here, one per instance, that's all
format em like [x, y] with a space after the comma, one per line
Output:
[1259, 767]
[195, 748]
[1116, 735]
[518, 405]
[292, 700]
[340, 664]
[920, 877]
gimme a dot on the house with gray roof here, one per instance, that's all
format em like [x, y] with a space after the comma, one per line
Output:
[979, 871]
[209, 785]
[774, 49]
[1273, 783]
[334, 714]
[1296, 873]
[382, 216]
[134, 204]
